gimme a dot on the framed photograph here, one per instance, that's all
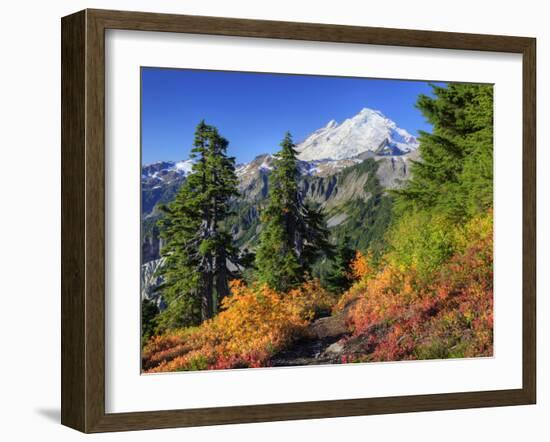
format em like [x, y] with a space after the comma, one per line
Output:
[267, 221]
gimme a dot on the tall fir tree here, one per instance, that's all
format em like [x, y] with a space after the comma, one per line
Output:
[294, 234]
[455, 173]
[197, 249]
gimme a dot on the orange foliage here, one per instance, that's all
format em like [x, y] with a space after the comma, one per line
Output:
[401, 317]
[393, 313]
[361, 266]
[255, 323]
[361, 270]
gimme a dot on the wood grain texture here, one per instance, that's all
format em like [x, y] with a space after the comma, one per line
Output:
[145, 21]
[73, 255]
[83, 220]
[95, 221]
[529, 220]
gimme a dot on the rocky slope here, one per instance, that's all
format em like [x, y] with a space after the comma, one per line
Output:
[160, 181]
[150, 281]
[339, 187]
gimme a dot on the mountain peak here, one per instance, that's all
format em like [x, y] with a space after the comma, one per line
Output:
[331, 124]
[364, 132]
[369, 111]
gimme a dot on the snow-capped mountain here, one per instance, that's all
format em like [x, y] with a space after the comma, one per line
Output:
[368, 131]
[337, 164]
[163, 170]
[327, 151]
[161, 180]
[265, 163]
[342, 188]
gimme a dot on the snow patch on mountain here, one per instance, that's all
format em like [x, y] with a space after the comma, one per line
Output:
[266, 162]
[368, 131]
[184, 166]
[325, 152]
[166, 169]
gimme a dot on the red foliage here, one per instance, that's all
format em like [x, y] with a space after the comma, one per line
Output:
[393, 314]
[450, 317]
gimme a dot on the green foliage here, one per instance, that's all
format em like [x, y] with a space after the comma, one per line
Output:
[197, 363]
[446, 315]
[276, 260]
[198, 249]
[149, 312]
[453, 181]
[450, 348]
[339, 278]
[294, 234]
[365, 227]
[455, 174]
[421, 280]
[421, 241]
[367, 221]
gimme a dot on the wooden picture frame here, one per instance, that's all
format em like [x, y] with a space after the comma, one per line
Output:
[83, 220]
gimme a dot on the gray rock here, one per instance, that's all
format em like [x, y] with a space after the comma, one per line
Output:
[335, 349]
[150, 281]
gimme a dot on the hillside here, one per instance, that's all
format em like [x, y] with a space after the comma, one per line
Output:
[352, 190]
[335, 184]
[418, 283]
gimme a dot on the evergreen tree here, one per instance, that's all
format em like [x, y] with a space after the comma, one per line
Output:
[339, 278]
[149, 312]
[197, 249]
[455, 174]
[450, 184]
[294, 234]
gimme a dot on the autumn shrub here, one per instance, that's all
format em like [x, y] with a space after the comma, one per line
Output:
[255, 323]
[432, 293]
[402, 315]
[421, 241]
[361, 270]
[361, 266]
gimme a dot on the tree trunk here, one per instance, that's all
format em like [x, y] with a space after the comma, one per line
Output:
[222, 286]
[207, 306]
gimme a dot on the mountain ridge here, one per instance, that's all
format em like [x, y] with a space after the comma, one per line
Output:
[338, 185]
[367, 131]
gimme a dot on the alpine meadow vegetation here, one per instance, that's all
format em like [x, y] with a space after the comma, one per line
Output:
[412, 280]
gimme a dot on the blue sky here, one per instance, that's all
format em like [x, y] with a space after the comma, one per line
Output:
[253, 111]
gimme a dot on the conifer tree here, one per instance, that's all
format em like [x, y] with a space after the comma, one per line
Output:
[294, 234]
[339, 278]
[149, 312]
[197, 249]
[455, 173]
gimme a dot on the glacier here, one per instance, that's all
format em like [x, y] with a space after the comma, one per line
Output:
[368, 131]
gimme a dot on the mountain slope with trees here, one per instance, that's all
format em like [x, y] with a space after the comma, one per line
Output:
[422, 290]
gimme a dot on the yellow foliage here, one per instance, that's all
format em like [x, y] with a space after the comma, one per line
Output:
[394, 308]
[255, 322]
[362, 270]
[361, 265]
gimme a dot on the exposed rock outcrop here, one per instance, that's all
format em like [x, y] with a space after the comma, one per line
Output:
[150, 281]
